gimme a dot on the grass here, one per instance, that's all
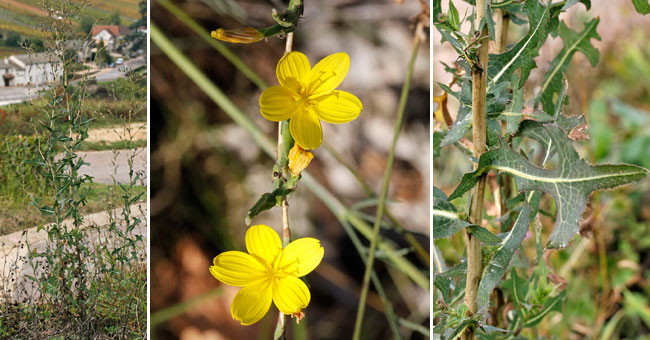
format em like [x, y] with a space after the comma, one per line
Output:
[122, 295]
[15, 216]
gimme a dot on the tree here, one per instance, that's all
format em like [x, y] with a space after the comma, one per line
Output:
[115, 18]
[102, 57]
[86, 25]
[13, 39]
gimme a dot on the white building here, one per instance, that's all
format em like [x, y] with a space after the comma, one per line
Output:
[111, 36]
[29, 70]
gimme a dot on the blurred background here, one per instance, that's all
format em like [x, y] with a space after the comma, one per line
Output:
[206, 171]
[607, 267]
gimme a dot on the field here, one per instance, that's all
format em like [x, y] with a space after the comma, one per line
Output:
[24, 16]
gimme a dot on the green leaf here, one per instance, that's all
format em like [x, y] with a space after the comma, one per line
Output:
[494, 271]
[641, 6]
[437, 137]
[552, 304]
[446, 221]
[518, 287]
[443, 281]
[453, 17]
[266, 202]
[436, 10]
[601, 129]
[483, 234]
[513, 113]
[570, 184]
[573, 42]
[520, 56]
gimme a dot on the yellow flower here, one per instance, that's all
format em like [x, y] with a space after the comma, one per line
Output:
[268, 273]
[245, 35]
[307, 96]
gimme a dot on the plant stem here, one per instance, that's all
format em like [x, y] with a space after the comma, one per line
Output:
[479, 78]
[286, 232]
[419, 250]
[384, 187]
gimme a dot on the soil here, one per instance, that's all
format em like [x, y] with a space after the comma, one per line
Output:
[138, 131]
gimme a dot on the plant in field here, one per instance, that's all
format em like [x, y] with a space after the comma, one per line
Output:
[268, 273]
[505, 122]
[80, 281]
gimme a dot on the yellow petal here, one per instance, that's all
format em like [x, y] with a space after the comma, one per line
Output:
[237, 268]
[290, 294]
[293, 70]
[301, 256]
[278, 103]
[339, 107]
[251, 303]
[299, 158]
[264, 242]
[328, 74]
[306, 130]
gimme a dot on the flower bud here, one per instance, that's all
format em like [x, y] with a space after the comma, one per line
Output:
[299, 159]
[245, 35]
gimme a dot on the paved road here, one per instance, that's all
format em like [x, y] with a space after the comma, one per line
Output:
[18, 94]
[102, 165]
[118, 71]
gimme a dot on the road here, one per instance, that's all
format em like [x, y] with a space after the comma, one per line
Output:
[102, 165]
[19, 94]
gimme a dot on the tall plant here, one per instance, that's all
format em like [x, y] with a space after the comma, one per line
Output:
[504, 120]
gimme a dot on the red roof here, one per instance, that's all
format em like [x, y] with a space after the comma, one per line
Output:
[112, 29]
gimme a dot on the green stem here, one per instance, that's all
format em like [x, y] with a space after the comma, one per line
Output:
[384, 189]
[419, 250]
[220, 47]
[178, 309]
[335, 205]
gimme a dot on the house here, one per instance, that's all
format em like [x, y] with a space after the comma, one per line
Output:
[112, 36]
[29, 70]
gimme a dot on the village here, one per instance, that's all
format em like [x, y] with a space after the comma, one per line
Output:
[110, 51]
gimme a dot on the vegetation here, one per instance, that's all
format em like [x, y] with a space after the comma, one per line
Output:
[529, 175]
[86, 279]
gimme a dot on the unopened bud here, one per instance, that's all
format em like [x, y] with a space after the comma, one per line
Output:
[245, 35]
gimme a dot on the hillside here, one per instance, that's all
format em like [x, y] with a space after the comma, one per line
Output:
[23, 16]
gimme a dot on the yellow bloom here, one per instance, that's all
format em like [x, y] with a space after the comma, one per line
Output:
[245, 35]
[307, 96]
[268, 273]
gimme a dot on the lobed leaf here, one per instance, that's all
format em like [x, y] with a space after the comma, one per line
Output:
[570, 184]
[573, 42]
[446, 221]
[520, 56]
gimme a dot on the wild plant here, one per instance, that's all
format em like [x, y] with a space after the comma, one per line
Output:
[521, 149]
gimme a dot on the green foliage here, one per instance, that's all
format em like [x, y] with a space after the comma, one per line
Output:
[641, 6]
[86, 25]
[115, 18]
[534, 144]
